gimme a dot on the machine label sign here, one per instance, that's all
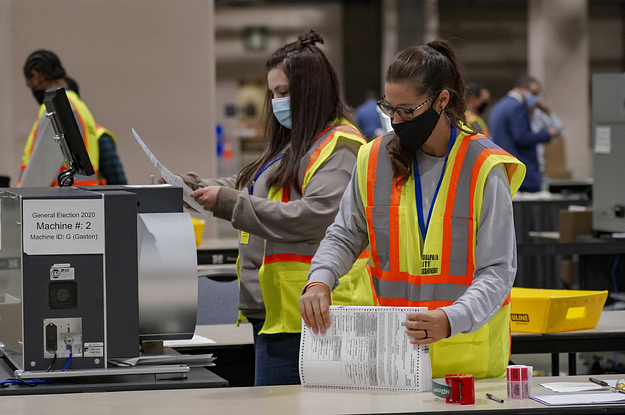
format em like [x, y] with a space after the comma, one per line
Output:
[63, 226]
[520, 318]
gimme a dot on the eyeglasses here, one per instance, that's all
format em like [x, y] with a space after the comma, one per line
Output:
[405, 114]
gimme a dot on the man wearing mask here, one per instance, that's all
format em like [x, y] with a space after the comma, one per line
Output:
[42, 160]
[510, 128]
[478, 98]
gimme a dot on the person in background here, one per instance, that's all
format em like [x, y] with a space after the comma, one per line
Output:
[283, 202]
[541, 118]
[111, 169]
[43, 71]
[434, 200]
[478, 98]
[368, 118]
[510, 128]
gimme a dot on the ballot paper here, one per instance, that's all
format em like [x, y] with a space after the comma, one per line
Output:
[171, 178]
[366, 348]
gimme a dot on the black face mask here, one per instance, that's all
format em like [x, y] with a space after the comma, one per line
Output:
[482, 107]
[415, 133]
[38, 94]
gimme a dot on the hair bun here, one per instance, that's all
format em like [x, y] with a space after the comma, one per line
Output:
[442, 47]
[310, 38]
[435, 46]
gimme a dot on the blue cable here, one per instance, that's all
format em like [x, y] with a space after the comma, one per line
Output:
[35, 382]
[69, 347]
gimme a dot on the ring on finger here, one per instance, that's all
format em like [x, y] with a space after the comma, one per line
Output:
[426, 334]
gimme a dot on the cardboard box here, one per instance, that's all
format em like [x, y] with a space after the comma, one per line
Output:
[573, 224]
[555, 160]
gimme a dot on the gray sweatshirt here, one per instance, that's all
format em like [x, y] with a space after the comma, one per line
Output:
[302, 220]
[495, 253]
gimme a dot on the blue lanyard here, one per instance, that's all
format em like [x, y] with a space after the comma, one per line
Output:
[262, 170]
[423, 227]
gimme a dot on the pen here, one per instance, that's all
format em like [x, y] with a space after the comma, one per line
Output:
[494, 398]
[598, 382]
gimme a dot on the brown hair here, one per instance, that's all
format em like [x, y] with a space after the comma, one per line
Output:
[430, 69]
[316, 101]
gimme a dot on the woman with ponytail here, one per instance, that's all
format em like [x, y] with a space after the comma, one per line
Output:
[283, 202]
[434, 200]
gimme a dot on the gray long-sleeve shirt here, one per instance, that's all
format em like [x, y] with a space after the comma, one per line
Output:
[495, 253]
[302, 220]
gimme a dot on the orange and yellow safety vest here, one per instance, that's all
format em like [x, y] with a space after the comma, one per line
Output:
[88, 128]
[477, 122]
[285, 266]
[435, 272]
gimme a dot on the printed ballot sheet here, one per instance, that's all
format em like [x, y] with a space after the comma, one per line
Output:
[171, 178]
[365, 347]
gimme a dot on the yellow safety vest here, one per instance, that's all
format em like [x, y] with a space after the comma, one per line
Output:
[88, 126]
[100, 131]
[408, 271]
[477, 122]
[285, 265]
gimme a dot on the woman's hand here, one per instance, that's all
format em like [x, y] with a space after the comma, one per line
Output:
[206, 196]
[314, 305]
[428, 327]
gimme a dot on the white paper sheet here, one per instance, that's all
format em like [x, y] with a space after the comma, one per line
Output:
[571, 386]
[365, 347]
[603, 140]
[195, 341]
[582, 398]
[171, 178]
[576, 386]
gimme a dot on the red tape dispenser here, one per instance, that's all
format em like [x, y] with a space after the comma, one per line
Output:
[461, 389]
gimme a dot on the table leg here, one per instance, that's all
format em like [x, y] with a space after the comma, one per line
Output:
[555, 364]
[572, 364]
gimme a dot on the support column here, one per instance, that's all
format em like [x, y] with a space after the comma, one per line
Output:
[7, 165]
[406, 23]
[558, 56]
[362, 46]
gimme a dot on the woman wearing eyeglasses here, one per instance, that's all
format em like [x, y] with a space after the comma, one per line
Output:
[434, 200]
[283, 202]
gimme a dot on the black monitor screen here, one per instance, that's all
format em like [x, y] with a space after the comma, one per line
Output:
[66, 128]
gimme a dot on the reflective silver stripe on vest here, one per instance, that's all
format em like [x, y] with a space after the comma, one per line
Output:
[458, 250]
[382, 201]
[412, 292]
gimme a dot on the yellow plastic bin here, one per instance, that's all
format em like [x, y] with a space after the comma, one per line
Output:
[198, 229]
[536, 310]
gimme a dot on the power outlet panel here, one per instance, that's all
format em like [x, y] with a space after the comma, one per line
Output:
[59, 333]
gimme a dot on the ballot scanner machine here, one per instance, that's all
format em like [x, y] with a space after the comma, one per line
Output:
[93, 272]
[88, 274]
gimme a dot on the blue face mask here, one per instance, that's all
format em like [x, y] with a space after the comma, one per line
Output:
[282, 110]
[530, 99]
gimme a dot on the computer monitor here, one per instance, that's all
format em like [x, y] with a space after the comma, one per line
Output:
[68, 136]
